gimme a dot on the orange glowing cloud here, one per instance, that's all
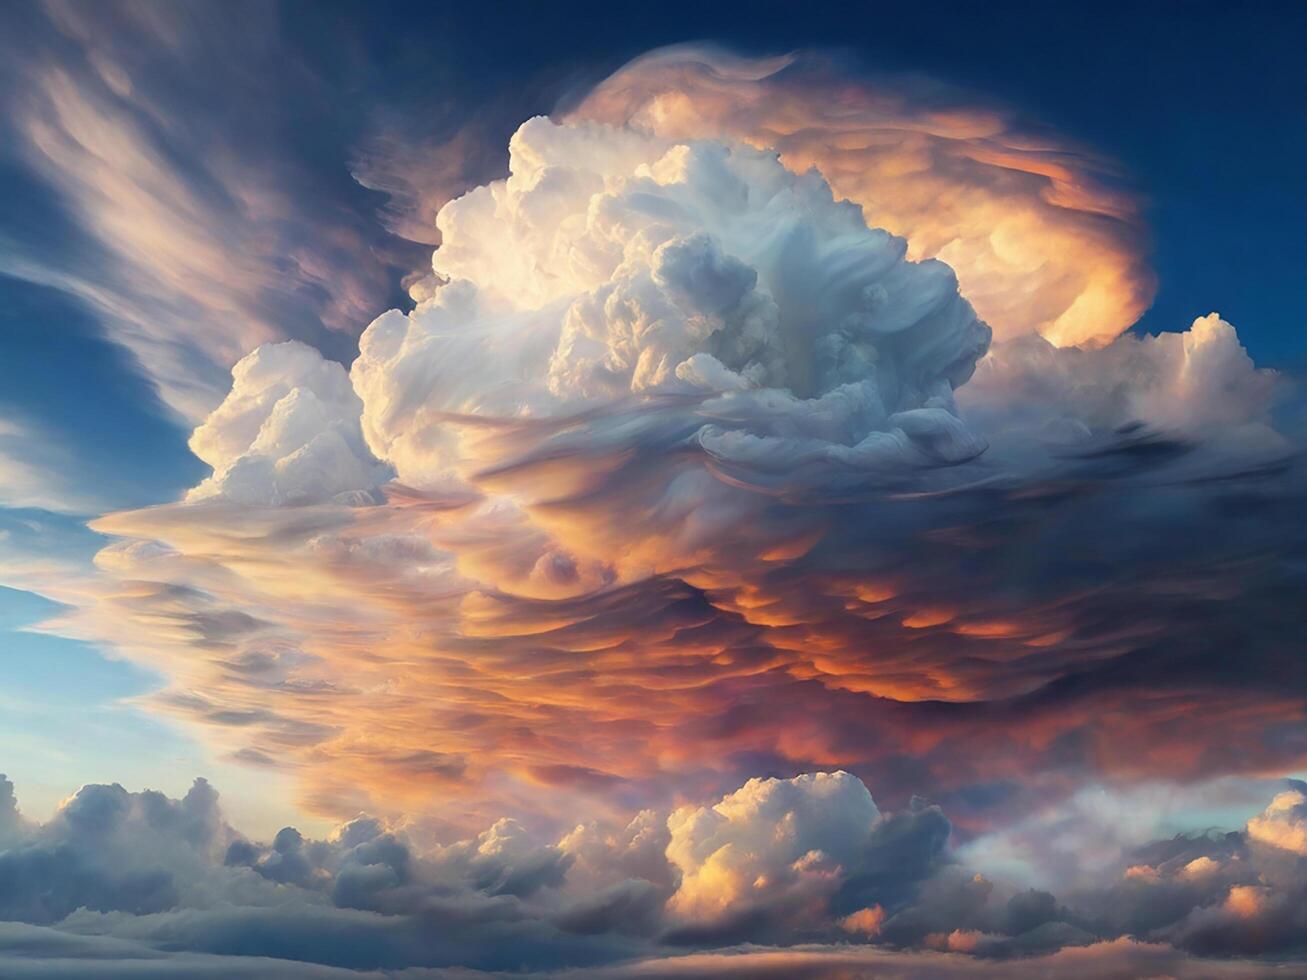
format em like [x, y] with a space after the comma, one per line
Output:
[1040, 239]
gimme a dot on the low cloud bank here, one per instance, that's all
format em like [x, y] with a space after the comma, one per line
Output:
[118, 880]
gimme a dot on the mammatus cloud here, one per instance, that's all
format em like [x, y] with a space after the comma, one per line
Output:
[1041, 239]
[119, 881]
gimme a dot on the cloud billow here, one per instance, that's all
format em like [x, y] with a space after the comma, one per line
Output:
[679, 469]
[122, 880]
[682, 482]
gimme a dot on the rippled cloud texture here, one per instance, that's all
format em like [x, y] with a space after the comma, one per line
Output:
[686, 510]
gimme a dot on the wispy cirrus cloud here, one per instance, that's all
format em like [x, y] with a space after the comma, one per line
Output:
[36, 472]
[188, 236]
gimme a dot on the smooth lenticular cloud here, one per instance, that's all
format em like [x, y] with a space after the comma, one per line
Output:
[1041, 239]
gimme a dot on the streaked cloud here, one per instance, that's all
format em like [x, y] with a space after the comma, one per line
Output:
[189, 239]
[35, 472]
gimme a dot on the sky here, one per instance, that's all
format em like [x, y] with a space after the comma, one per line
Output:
[694, 490]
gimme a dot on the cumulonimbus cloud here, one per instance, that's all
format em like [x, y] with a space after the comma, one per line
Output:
[679, 469]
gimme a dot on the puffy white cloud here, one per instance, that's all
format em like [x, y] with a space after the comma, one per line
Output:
[506, 860]
[141, 880]
[769, 838]
[1199, 384]
[1283, 824]
[108, 849]
[716, 305]
[287, 432]
[676, 268]
[795, 854]
[141, 874]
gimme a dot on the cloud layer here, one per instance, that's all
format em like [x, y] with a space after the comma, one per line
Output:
[119, 881]
[182, 214]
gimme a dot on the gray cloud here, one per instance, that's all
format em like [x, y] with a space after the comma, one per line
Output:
[119, 881]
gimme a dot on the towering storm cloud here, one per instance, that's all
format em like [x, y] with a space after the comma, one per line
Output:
[723, 308]
[698, 563]
[678, 471]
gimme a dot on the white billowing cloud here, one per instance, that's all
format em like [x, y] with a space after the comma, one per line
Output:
[1283, 824]
[12, 824]
[712, 300]
[1199, 383]
[603, 855]
[112, 850]
[1040, 233]
[791, 861]
[771, 841]
[287, 432]
[505, 859]
[140, 867]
